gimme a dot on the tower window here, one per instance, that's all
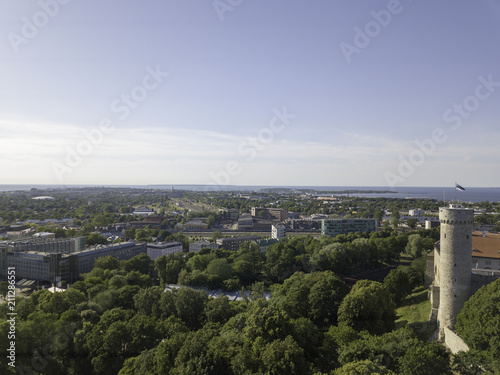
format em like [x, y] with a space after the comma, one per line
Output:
[445, 235]
[467, 236]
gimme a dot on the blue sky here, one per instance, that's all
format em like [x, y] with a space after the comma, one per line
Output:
[204, 76]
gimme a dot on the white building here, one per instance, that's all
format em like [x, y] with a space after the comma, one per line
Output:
[156, 250]
[416, 212]
[278, 231]
[202, 244]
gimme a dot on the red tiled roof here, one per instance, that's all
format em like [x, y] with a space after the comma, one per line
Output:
[486, 245]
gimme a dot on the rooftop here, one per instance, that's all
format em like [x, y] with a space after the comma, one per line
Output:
[486, 245]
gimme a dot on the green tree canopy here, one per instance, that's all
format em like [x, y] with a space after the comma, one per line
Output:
[95, 239]
[479, 323]
[368, 306]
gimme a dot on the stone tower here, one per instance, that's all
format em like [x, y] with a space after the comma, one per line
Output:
[455, 260]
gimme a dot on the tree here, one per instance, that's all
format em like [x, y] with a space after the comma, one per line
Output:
[129, 233]
[141, 235]
[398, 283]
[163, 233]
[368, 306]
[428, 358]
[169, 268]
[325, 297]
[144, 334]
[100, 220]
[220, 268]
[88, 228]
[479, 324]
[4, 288]
[216, 234]
[125, 209]
[412, 222]
[95, 239]
[197, 356]
[248, 263]
[107, 263]
[284, 357]
[211, 220]
[293, 295]
[331, 257]
[189, 305]
[218, 310]
[362, 368]
[60, 233]
[140, 263]
[415, 245]
[266, 322]
[147, 301]
[395, 218]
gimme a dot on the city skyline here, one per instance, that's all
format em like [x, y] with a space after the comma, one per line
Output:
[385, 93]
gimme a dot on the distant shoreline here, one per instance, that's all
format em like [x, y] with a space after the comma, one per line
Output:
[471, 194]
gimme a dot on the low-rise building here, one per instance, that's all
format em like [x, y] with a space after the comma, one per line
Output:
[144, 211]
[278, 231]
[193, 225]
[234, 243]
[245, 222]
[38, 245]
[20, 233]
[276, 214]
[202, 244]
[156, 250]
[233, 213]
[486, 251]
[429, 224]
[66, 265]
[416, 212]
[120, 251]
[265, 243]
[305, 225]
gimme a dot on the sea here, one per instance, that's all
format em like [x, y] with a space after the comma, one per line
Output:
[471, 194]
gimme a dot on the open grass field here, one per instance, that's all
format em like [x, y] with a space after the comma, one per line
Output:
[415, 313]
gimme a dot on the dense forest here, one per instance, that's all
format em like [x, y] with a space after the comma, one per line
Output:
[118, 320]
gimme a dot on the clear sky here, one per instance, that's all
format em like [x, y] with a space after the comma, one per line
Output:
[250, 92]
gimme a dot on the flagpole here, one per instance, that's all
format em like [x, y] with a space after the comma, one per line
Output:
[455, 192]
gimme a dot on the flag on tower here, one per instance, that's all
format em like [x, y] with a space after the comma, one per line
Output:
[458, 187]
